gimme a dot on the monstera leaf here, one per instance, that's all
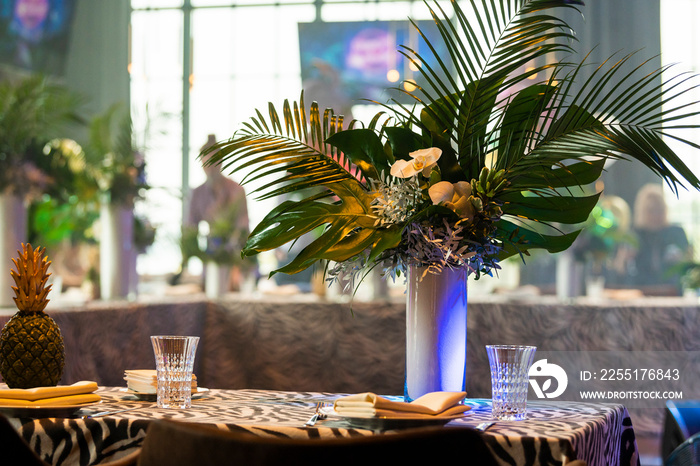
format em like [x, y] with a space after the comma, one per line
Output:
[349, 228]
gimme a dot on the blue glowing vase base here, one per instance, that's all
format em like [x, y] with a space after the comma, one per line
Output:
[436, 332]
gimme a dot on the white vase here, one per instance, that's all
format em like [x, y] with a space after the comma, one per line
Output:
[117, 264]
[13, 232]
[436, 332]
[217, 279]
[569, 276]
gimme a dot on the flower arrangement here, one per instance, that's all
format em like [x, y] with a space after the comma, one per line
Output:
[489, 163]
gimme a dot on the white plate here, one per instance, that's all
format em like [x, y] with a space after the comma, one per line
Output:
[386, 423]
[153, 397]
[44, 411]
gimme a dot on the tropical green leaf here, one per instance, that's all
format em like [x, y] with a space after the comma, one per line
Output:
[364, 148]
[519, 240]
[403, 141]
[485, 58]
[562, 209]
[541, 176]
[629, 125]
[350, 228]
[521, 119]
[300, 159]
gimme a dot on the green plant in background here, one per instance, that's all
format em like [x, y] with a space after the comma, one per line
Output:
[113, 160]
[689, 271]
[144, 233]
[33, 111]
[487, 164]
[221, 244]
[67, 211]
[691, 277]
[106, 168]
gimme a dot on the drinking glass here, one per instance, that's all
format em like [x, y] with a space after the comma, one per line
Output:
[509, 380]
[174, 363]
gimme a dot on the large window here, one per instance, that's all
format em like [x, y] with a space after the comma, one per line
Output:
[680, 47]
[156, 94]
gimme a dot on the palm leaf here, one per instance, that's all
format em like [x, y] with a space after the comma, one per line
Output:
[300, 159]
[513, 33]
[629, 125]
[546, 125]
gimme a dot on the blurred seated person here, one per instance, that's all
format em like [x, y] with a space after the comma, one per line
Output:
[660, 246]
[220, 204]
[606, 231]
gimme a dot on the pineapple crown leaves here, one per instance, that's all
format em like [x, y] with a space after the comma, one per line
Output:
[30, 279]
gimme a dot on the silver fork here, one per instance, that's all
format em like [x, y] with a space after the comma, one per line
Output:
[318, 415]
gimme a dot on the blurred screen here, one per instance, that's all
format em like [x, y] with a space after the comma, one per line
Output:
[344, 62]
[34, 34]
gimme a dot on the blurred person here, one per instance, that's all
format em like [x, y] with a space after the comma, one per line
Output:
[660, 245]
[216, 195]
[220, 202]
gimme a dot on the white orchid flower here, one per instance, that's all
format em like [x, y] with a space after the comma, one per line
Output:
[454, 196]
[423, 161]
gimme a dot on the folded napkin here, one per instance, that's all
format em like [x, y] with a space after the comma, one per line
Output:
[61, 395]
[430, 405]
[146, 381]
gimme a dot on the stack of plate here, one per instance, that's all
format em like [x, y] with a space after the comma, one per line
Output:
[144, 381]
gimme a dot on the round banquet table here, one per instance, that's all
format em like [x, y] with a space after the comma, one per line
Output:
[554, 433]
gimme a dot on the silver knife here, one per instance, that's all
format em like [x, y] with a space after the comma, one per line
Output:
[107, 413]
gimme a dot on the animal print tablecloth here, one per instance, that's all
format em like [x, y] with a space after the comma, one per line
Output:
[554, 433]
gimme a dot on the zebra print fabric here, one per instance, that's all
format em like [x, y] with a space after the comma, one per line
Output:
[555, 432]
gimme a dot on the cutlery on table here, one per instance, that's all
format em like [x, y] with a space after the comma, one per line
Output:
[107, 413]
[318, 415]
[483, 426]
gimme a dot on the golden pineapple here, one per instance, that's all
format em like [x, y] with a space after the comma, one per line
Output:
[31, 345]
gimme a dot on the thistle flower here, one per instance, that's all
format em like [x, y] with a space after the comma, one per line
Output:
[394, 202]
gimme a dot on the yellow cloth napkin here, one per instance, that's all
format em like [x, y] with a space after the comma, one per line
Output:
[61, 395]
[430, 405]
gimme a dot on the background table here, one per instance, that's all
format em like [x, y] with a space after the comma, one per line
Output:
[555, 432]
